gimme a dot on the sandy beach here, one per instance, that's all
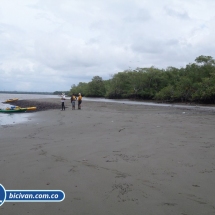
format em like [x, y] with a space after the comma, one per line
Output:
[112, 159]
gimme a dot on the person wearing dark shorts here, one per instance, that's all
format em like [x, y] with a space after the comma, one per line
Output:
[63, 98]
[79, 101]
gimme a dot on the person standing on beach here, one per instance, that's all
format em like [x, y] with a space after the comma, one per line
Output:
[79, 100]
[73, 99]
[63, 98]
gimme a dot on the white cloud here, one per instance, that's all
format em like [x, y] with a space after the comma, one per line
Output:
[48, 45]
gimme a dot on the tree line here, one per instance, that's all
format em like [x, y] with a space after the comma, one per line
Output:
[26, 92]
[193, 83]
[60, 92]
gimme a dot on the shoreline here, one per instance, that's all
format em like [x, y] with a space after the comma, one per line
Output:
[112, 158]
[54, 103]
[44, 104]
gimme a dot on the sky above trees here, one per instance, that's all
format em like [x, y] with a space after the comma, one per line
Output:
[49, 45]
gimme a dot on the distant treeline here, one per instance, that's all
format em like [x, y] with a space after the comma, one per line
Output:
[60, 92]
[194, 83]
[22, 92]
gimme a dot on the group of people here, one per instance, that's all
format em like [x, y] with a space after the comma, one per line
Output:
[73, 99]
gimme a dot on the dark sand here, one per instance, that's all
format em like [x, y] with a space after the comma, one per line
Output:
[112, 159]
[44, 104]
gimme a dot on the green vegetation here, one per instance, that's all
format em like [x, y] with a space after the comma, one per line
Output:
[194, 83]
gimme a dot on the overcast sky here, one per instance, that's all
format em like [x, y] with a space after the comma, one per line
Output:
[49, 45]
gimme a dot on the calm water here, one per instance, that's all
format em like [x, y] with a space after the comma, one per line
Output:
[14, 118]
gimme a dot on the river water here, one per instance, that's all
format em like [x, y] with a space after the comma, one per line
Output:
[15, 118]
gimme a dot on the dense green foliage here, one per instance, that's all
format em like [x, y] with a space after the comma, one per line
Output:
[194, 83]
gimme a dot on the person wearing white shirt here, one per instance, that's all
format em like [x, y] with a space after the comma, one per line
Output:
[63, 98]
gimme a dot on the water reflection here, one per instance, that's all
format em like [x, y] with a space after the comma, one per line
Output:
[14, 118]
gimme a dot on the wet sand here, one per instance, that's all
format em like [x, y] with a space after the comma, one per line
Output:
[112, 159]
